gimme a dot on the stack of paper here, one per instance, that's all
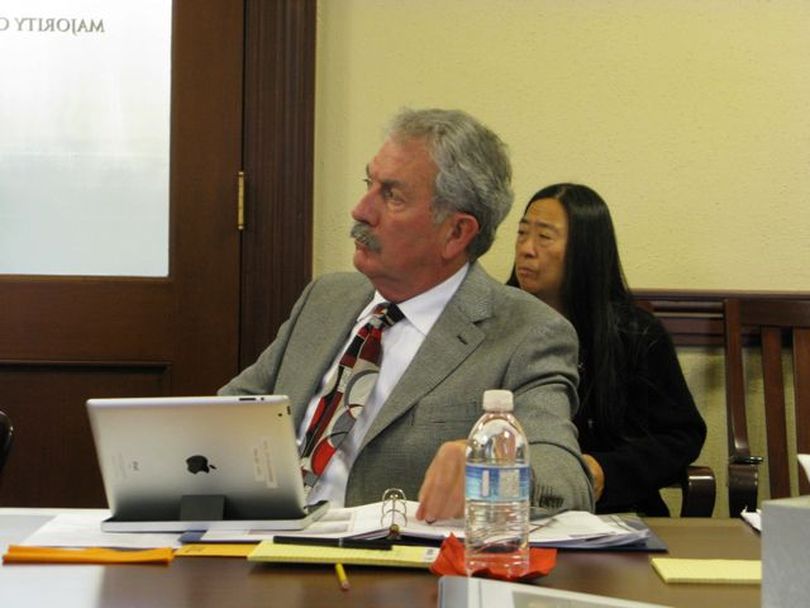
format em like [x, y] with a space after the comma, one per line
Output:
[82, 528]
[570, 529]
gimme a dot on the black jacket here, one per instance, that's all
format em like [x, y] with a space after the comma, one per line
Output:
[663, 431]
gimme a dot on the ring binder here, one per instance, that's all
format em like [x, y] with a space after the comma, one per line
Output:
[394, 512]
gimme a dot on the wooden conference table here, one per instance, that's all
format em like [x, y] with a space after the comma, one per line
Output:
[202, 582]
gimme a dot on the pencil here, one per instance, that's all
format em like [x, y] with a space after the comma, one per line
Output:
[342, 578]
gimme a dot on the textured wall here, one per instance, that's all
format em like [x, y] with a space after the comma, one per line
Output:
[689, 117]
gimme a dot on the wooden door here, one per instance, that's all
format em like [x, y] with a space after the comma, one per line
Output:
[64, 339]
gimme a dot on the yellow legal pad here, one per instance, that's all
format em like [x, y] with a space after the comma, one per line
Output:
[734, 571]
[402, 556]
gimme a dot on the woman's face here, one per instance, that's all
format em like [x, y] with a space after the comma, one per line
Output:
[540, 250]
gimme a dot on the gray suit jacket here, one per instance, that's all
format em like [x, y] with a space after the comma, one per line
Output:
[488, 336]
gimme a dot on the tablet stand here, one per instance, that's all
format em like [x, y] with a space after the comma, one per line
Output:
[202, 507]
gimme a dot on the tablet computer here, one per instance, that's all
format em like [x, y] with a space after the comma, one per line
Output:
[200, 463]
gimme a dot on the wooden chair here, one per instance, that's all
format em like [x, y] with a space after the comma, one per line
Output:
[697, 482]
[769, 320]
[698, 491]
[6, 436]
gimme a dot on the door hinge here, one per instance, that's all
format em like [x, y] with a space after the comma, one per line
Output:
[240, 200]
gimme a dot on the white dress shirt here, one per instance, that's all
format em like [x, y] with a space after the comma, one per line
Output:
[399, 345]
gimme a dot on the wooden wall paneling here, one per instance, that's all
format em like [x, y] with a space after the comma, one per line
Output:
[206, 155]
[53, 453]
[66, 338]
[279, 110]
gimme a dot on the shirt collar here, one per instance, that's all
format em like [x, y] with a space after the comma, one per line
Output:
[423, 310]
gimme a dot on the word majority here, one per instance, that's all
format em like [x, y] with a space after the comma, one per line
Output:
[61, 25]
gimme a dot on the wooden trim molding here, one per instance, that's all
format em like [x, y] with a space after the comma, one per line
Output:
[694, 317]
[278, 161]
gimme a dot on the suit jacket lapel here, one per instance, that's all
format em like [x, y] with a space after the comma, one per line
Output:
[451, 340]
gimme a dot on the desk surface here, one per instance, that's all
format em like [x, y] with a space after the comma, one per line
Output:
[203, 582]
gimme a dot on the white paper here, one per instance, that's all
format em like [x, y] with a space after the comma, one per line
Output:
[364, 520]
[575, 529]
[83, 529]
[804, 460]
[754, 519]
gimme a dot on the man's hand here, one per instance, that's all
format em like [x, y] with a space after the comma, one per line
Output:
[442, 493]
[598, 475]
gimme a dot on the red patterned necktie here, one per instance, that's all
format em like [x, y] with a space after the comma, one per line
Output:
[346, 393]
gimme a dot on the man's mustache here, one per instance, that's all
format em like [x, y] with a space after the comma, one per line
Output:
[362, 233]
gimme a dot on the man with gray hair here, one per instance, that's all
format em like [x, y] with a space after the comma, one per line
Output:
[385, 368]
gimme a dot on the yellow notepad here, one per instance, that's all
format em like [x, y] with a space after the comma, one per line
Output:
[402, 556]
[734, 571]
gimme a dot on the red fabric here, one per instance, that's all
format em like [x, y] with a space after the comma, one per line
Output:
[451, 561]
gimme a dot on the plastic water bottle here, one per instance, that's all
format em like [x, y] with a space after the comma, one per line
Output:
[497, 490]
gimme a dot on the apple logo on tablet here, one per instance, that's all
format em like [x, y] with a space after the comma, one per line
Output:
[198, 463]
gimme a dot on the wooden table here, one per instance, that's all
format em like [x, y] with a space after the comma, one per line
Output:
[202, 582]
[630, 576]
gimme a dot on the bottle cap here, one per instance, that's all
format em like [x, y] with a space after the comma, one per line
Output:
[498, 400]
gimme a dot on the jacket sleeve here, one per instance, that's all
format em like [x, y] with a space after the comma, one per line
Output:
[543, 376]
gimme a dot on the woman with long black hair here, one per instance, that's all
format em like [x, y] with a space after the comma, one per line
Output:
[638, 424]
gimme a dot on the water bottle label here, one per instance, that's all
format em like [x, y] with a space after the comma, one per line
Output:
[484, 482]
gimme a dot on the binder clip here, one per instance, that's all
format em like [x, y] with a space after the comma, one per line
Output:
[394, 512]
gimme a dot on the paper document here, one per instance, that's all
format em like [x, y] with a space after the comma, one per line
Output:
[570, 529]
[83, 529]
[753, 518]
[351, 522]
[804, 460]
